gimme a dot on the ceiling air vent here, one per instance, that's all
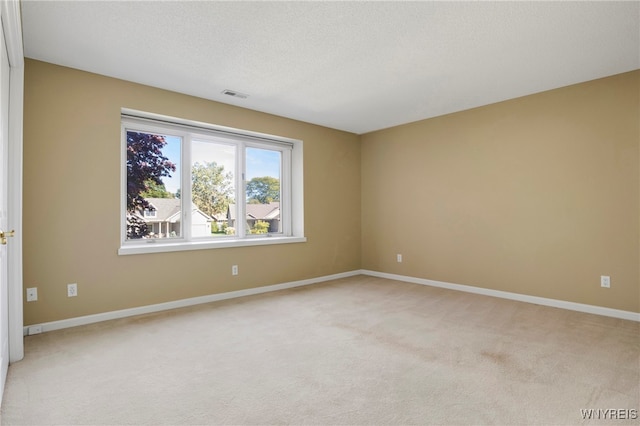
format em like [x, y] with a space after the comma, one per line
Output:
[234, 94]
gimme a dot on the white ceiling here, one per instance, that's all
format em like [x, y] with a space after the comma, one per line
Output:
[354, 66]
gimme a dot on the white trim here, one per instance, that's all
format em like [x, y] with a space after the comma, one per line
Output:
[106, 316]
[152, 246]
[16, 344]
[12, 22]
[12, 25]
[572, 306]
[172, 122]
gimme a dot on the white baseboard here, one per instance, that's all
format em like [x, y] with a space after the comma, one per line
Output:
[590, 309]
[106, 316]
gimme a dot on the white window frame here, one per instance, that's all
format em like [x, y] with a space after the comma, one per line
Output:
[292, 188]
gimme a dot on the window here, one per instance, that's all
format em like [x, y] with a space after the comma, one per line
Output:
[189, 185]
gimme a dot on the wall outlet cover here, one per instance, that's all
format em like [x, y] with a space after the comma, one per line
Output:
[32, 294]
[72, 290]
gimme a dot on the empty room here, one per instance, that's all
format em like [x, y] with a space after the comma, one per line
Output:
[319, 212]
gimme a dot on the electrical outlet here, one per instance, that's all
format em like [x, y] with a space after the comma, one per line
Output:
[399, 258]
[234, 270]
[32, 294]
[605, 281]
[72, 290]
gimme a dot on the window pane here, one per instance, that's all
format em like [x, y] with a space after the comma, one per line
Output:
[213, 168]
[263, 190]
[153, 185]
[219, 188]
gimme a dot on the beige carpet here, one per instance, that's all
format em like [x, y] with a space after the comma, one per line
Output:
[360, 350]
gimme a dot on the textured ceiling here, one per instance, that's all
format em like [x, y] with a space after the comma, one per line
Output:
[355, 66]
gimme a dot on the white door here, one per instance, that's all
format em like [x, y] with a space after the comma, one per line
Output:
[11, 105]
[4, 174]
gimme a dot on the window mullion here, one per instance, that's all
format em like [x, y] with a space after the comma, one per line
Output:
[241, 226]
[186, 187]
[285, 192]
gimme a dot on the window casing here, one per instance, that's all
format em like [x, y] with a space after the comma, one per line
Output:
[194, 216]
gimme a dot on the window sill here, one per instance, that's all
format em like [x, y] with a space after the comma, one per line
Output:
[156, 247]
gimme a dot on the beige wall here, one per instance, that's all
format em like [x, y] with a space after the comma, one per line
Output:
[72, 201]
[537, 195]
